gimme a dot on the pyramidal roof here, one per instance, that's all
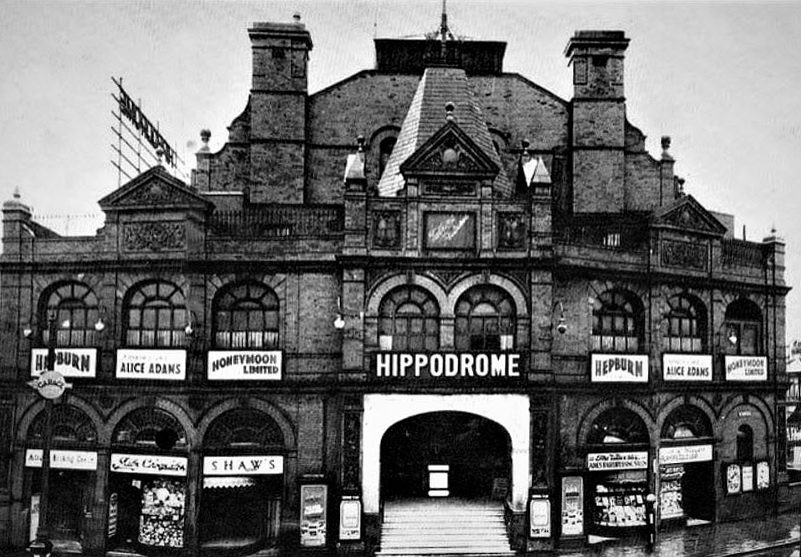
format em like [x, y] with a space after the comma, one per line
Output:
[426, 115]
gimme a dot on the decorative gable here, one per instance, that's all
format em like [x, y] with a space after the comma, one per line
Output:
[450, 153]
[687, 214]
[154, 189]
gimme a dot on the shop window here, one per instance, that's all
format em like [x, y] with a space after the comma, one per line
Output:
[743, 328]
[384, 152]
[408, 320]
[686, 325]
[617, 322]
[238, 510]
[155, 315]
[793, 441]
[74, 307]
[485, 320]
[246, 316]
[745, 443]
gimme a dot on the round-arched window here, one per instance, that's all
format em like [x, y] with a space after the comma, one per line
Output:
[408, 320]
[485, 319]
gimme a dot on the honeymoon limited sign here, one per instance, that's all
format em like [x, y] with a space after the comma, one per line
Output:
[619, 368]
[245, 365]
[687, 367]
[393, 364]
[148, 464]
[70, 362]
[746, 368]
[242, 465]
[151, 364]
[636, 460]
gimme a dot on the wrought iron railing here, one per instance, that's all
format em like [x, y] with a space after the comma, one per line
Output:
[278, 221]
[741, 252]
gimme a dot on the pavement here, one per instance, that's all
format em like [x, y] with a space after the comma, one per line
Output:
[745, 537]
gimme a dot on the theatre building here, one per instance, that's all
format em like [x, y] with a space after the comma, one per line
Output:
[432, 294]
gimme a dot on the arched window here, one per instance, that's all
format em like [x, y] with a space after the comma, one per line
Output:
[686, 321]
[243, 428]
[155, 315]
[617, 426]
[150, 427]
[384, 151]
[745, 443]
[71, 425]
[686, 422]
[73, 305]
[246, 316]
[743, 327]
[408, 320]
[485, 320]
[617, 322]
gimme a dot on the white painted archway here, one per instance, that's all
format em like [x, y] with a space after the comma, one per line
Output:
[382, 411]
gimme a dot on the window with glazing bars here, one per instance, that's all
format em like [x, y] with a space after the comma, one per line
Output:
[743, 328]
[616, 323]
[408, 320]
[246, 316]
[155, 315]
[686, 326]
[74, 307]
[485, 320]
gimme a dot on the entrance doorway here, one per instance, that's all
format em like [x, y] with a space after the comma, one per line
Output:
[476, 453]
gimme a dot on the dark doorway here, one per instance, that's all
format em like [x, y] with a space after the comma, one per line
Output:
[476, 450]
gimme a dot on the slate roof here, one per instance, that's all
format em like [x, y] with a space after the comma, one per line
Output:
[426, 115]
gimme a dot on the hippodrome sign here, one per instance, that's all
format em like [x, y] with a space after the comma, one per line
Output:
[394, 364]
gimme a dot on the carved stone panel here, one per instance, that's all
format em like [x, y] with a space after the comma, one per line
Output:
[511, 231]
[386, 229]
[684, 254]
[154, 194]
[153, 236]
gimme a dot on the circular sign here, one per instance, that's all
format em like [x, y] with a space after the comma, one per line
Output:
[51, 384]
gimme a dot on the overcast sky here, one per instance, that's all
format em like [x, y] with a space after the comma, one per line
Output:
[722, 79]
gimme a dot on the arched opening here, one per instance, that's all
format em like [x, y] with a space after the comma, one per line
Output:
[686, 470]
[453, 454]
[743, 328]
[73, 468]
[617, 465]
[240, 506]
[147, 483]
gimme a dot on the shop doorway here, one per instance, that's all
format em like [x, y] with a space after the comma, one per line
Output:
[446, 454]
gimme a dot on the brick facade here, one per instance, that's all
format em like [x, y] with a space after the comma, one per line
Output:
[577, 243]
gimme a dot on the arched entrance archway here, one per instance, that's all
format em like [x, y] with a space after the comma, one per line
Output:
[475, 450]
[382, 411]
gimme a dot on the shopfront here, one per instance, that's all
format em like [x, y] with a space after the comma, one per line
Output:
[147, 484]
[686, 468]
[243, 467]
[616, 481]
[73, 467]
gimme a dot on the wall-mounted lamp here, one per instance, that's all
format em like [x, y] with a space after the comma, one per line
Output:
[27, 331]
[190, 320]
[561, 326]
[339, 321]
[731, 336]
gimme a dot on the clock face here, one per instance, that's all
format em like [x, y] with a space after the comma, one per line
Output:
[450, 230]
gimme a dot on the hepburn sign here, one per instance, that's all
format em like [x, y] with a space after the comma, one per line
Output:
[394, 364]
[245, 365]
[746, 368]
[70, 362]
[687, 367]
[619, 368]
[242, 465]
[151, 364]
[66, 460]
[636, 460]
[689, 453]
[148, 464]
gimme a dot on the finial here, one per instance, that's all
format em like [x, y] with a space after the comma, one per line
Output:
[680, 181]
[16, 193]
[449, 108]
[443, 26]
[524, 144]
[160, 155]
[296, 17]
[360, 141]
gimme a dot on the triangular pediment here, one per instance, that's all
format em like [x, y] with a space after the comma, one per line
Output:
[154, 189]
[687, 214]
[450, 151]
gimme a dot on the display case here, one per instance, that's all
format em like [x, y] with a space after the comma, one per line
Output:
[671, 503]
[162, 519]
[618, 500]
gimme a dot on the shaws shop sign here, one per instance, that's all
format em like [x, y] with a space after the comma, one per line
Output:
[448, 366]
